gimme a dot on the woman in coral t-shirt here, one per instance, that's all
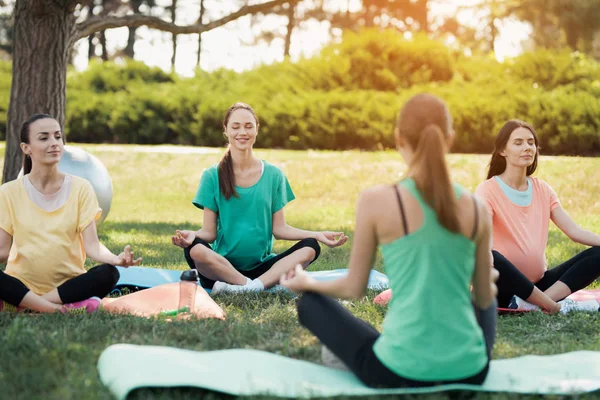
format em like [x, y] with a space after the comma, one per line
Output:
[522, 207]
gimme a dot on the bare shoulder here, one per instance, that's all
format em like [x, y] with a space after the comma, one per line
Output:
[472, 211]
[466, 203]
[376, 194]
[484, 219]
[375, 200]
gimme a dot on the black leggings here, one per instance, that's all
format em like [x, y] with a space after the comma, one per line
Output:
[98, 281]
[351, 339]
[576, 273]
[260, 268]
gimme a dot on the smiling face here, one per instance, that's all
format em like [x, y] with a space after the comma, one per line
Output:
[520, 150]
[241, 129]
[45, 145]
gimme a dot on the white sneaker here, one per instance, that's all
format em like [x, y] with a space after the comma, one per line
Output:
[223, 287]
[218, 287]
[331, 360]
[568, 305]
[524, 305]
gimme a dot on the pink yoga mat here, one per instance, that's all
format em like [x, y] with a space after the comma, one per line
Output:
[592, 294]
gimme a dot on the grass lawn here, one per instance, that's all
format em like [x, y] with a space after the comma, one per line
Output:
[54, 356]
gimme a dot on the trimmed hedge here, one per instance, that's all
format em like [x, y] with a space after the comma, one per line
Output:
[347, 97]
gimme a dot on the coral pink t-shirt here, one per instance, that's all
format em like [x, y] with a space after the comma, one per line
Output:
[521, 232]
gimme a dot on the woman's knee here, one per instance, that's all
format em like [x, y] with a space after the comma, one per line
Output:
[501, 263]
[594, 251]
[311, 244]
[110, 273]
[198, 253]
[497, 256]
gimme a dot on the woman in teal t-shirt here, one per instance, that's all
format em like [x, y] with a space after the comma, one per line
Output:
[243, 199]
[436, 242]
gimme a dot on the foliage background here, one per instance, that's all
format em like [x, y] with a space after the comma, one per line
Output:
[347, 97]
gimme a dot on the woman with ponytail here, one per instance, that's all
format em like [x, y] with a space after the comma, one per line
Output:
[521, 208]
[47, 227]
[435, 241]
[243, 199]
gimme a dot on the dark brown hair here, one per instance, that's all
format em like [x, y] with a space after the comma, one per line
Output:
[497, 163]
[225, 168]
[425, 123]
[24, 136]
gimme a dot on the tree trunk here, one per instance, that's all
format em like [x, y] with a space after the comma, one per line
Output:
[200, 18]
[290, 28]
[173, 17]
[44, 32]
[129, 50]
[91, 45]
[103, 45]
[422, 15]
[572, 33]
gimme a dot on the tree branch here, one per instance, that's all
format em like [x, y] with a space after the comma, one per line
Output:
[86, 28]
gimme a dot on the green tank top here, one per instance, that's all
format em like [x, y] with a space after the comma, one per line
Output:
[430, 332]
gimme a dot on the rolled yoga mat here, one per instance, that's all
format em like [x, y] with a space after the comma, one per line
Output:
[243, 372]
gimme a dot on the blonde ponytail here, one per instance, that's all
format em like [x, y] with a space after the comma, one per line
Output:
[425, 125]
[430, 172]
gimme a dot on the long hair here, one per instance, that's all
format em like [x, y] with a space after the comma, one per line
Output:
[425, 123]
[497, 163]
[24, 136]
[225, 167]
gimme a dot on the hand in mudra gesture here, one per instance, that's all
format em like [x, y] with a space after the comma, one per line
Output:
[183, 239]
[125, 259]
[331, 239]
[296, 279]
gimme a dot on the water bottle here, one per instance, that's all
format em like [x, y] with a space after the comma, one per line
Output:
[187, 290]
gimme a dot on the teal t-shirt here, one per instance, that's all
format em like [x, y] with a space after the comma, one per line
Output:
[430, 332]
[245, 223]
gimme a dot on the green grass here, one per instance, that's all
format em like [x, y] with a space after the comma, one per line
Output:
[54, 356]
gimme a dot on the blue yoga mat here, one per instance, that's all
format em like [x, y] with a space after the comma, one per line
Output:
[244, 372]
[145, 277]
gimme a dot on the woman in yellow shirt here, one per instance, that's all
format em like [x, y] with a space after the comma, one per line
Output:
[50, 219]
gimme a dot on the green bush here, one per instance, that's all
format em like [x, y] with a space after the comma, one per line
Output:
[384, 60]
[111, 77]
[346, 97]
[330, 120]
[567, 122]
[377, 60]
[552, 68]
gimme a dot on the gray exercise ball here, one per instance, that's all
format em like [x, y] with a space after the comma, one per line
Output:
[78, 162]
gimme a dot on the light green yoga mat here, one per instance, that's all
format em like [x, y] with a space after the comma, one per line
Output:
[124, 368]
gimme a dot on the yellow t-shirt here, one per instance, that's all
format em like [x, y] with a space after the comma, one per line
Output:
[47, 247]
